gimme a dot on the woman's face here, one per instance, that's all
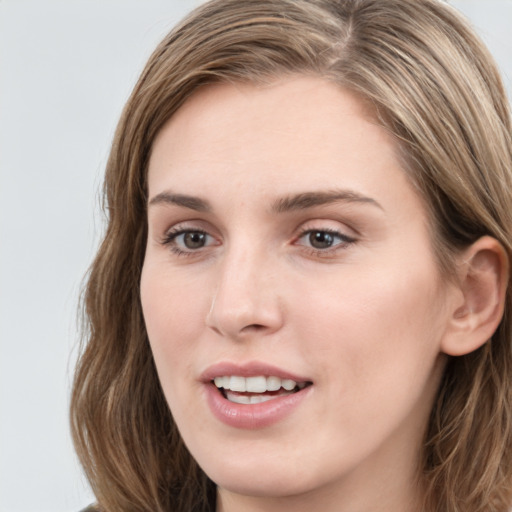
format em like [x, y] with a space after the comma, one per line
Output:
[288, 255]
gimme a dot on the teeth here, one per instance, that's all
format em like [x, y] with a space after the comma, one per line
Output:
[258, 399]
[237, 384]
[288, 384]
[273, 383]
[246, 399]
[239, 399]
[258, 384]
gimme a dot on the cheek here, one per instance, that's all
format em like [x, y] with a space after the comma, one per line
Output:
[375, 328]
[172, 314]
[376, 342]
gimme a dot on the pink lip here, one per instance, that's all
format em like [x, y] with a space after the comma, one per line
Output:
[251, 416]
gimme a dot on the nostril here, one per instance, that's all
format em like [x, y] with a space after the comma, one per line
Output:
[253, 327]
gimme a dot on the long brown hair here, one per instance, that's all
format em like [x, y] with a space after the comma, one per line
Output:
[435, 87]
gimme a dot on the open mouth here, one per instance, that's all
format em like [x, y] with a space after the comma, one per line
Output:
[255, 390]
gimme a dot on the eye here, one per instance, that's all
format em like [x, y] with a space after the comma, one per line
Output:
[321, 239]
[192, 239]
[184, 241]
[324, 239]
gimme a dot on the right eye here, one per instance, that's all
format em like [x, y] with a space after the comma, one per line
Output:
[187, 241]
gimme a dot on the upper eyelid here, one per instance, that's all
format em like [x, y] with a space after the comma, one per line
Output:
[324, 229]
[329, 225]
[175, 233]
[189, 225]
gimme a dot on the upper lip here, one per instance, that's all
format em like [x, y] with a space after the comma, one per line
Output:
[248, 369]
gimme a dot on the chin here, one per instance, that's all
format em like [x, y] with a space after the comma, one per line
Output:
[267, 477]
[267, 484]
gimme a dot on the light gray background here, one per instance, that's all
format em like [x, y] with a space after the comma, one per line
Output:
[66, 69]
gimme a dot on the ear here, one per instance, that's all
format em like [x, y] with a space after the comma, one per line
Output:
[478, 310]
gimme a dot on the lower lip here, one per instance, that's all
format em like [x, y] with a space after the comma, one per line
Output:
[253, 416]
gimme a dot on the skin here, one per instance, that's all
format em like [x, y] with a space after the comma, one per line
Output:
[365, 319]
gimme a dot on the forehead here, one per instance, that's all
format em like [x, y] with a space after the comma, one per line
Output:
[297, 104]
[297, 134]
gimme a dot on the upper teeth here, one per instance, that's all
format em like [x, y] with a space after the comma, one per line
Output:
[258, 384]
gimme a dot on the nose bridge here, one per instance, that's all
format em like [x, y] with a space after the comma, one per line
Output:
[246, 298]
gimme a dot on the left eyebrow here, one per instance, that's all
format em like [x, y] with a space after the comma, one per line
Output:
[306, 200]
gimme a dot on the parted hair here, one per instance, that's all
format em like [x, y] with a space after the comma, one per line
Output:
[435, 87]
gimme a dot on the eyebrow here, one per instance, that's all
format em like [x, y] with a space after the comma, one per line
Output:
[307, 200]
[301, 201]
[191, 202]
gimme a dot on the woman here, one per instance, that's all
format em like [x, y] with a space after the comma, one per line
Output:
[302, 300]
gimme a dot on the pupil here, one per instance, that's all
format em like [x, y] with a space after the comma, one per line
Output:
[194, 240]
[320, 239]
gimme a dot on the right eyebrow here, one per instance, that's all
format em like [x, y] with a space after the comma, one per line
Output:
[191, 202]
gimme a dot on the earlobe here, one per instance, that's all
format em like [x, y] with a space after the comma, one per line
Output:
[483, 279]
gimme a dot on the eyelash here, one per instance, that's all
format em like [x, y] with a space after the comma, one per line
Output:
[170, 237]
[344, 242]
[169, 240]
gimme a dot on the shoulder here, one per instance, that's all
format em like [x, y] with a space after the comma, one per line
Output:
[90, 508]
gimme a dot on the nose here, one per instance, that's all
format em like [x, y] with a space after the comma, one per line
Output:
[246, 299]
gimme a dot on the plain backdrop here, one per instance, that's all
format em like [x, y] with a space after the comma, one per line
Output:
[66, 69]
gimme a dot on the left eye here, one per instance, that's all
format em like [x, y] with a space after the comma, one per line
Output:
[323, 239]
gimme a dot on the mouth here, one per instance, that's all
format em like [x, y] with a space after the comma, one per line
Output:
[256, 389]
[254, 394]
